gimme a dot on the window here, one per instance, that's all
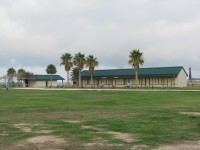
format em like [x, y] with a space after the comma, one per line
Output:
[160, 80]
[88, 82]
[157, 80]
[151, 80]
[119, 81]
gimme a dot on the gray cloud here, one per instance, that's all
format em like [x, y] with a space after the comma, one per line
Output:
[36, 33]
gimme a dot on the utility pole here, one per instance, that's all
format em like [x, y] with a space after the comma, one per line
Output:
[190, 74]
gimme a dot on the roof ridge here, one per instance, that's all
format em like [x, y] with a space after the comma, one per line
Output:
[140, 68]
[45, 74]
[163, 67]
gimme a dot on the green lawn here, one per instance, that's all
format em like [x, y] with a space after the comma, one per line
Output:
[150, 118]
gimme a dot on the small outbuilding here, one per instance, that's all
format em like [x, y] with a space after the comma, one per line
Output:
[148, 77]
[42, 81]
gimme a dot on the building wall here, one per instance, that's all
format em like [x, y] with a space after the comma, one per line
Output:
[179, 81]
[182, 79]
[37, 83]
[42, 83]
[54, 83]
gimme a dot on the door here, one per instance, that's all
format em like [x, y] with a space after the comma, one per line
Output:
[26, 83]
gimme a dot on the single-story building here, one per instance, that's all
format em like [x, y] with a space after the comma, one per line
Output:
[148, 77]
[42, 81]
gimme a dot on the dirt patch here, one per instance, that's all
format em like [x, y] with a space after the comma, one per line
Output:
[139, 147]
[45, 139]
[122, 136]
[23, 127]
[118, 135]
[90, 127]
[193, 145]
[39, 142]
[100, 143]
[191, 113]
[72, 121]
[28, 128]
[44, 131]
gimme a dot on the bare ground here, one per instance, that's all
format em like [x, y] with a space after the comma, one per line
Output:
[28, 128]
[50, 142]
[39, 143]
[191, 113]
[188, 145]
[126, 137]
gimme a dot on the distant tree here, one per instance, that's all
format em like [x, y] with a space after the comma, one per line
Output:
[136, 59]
[74, 74]
[51, 69]
[20, 74]
[79, 62]
[11, 72]
[28, 75]
[66, 60]
[91, 63]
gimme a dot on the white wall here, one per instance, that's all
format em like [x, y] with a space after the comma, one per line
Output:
[179, 81]
[42, 84]
[54, 83]
[37, 83]
[182, 79]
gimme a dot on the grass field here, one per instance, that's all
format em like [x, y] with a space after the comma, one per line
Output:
[97, 119]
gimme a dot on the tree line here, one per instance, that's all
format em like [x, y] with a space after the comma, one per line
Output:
[77, 64]
[79, 61]
[135, 59]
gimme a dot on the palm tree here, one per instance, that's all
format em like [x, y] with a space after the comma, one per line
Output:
[136, 59]
[91, 62]
[66, 60]
[11, 72]
[79, 62]
[51, 69]
[74, 74]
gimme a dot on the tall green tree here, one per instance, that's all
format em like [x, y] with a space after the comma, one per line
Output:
[74, 74]
[79, 62]
[66, 60]
[23, 74]
[28, 75]
[20, 74]
[91, 63]
[11, 72]
[136, 59]
[51, 69]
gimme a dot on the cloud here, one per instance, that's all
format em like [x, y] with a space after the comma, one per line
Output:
[36, 33]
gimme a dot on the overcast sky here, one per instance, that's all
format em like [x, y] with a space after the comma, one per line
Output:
[34, 33]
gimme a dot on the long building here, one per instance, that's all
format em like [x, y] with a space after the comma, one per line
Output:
[148, 77]
[42, 81]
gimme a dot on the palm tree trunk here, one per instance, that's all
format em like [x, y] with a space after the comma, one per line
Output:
[67, 78]
[136, 78]
[92, 83]
[79, 77]
[51, 80]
